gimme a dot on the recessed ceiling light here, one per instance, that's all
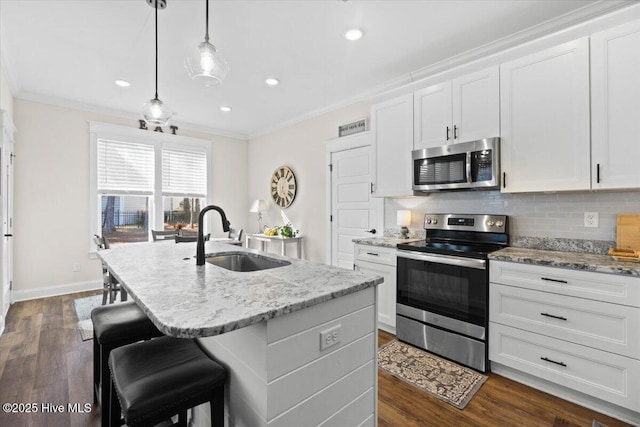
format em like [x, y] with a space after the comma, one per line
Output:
[225, 108]
[272, 81]
[353, 34]
[122, 83]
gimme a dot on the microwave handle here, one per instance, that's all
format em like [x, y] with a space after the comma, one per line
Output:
[469, 167]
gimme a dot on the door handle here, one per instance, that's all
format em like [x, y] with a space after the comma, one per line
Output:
[447, 133]
[8, 235]
[372, 231]
[455, 132]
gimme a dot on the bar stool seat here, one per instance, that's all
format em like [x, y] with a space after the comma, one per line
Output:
[115, 325]
[155, 380]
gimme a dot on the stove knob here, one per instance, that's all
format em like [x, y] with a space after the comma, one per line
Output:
[435, 221]
[490, 223]
[428, 221]
[499, 223]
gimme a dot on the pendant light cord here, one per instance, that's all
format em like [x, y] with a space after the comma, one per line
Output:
[206, 33]
[157, 49]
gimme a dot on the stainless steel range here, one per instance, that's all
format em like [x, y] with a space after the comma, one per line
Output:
[443, 286]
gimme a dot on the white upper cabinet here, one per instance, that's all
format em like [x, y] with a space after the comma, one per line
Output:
[544, 103]
[432, 116]
[615, 107]
[392, 126]
[459, 110]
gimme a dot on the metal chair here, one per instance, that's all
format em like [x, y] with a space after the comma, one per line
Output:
[110, 286]
[235, 234]
[164, 234]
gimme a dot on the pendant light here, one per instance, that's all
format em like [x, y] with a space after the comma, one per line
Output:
[205, 64]
[155, 112]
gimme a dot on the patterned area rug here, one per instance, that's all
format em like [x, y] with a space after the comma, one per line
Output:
[445, 380]
[83, 308]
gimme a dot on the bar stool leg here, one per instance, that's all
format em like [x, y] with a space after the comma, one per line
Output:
[96, 370]
[113, 409]
[217, 407]
[105, 381]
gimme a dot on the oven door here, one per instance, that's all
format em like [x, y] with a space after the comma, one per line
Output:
[446, 291]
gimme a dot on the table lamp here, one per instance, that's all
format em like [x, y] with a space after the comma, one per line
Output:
[404, 218]
[258, 207]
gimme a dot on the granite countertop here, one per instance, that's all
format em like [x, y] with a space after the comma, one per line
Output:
[387, 242]
[185, 300]
[573, 260]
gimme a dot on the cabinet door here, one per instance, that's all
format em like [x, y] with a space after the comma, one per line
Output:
[615, 105]
[386, 293]
[476, 105]
[392, 124]
[545, 120]
[432, 116]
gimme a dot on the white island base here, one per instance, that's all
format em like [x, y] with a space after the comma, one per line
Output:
[279, 376]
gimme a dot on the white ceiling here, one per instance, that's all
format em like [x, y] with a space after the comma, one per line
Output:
[70, 52]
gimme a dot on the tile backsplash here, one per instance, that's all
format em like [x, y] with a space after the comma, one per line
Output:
[533, 218]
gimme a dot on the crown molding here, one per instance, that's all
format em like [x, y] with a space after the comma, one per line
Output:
[361, 97]
[122, 114]
[555, 25]
[547, 28]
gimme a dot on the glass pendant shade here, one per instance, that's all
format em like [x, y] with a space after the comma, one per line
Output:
[206, 65]
[156, 113]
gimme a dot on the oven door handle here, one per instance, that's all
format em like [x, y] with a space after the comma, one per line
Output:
[444, 259]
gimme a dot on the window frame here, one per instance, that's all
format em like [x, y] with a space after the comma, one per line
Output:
[158, 140]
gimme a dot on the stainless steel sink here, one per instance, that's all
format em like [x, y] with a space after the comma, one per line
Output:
[243, 262]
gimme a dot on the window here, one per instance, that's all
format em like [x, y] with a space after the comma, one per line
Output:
[143, 180]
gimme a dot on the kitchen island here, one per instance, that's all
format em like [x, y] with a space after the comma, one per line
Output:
[299, 341]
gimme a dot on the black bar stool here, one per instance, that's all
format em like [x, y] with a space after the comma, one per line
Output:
[115, 325]
[157, 379]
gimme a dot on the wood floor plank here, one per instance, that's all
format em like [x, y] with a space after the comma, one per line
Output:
[42, 357]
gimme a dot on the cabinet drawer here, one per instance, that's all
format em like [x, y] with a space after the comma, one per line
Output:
[605, 326]
[613, 288]
[607, 376]
[377, 254]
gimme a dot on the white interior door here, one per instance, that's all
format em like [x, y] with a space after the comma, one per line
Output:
[6, 208]
[353, 210]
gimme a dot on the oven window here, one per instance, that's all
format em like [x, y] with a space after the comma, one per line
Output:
[452, 291]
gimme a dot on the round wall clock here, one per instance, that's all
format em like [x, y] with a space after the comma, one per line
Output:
[283, 187]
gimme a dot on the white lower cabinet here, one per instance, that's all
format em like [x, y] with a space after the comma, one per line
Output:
[577, 329]
[594, 372]
[382, 261]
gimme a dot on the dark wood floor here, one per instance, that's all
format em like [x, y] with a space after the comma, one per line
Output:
[43, 360]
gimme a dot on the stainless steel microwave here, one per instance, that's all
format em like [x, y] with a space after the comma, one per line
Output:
[471, 165]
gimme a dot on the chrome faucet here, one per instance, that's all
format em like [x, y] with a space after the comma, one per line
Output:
[225, 227]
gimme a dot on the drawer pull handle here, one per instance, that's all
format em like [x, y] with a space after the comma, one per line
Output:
[555, 317]
[553, 361]
[372, 253]
[553, 280]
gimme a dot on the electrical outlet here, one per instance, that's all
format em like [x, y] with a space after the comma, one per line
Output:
[330, 337]
[591, 219]
[76, 267]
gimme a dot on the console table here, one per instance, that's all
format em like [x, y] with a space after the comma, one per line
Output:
[282, 240]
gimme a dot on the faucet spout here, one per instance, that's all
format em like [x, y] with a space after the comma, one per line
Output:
[225, 227]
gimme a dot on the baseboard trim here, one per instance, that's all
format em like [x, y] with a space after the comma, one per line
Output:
[51, 291]
[565, 393]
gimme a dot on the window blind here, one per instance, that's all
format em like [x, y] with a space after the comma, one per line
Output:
[125, 167]
[184, 173]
